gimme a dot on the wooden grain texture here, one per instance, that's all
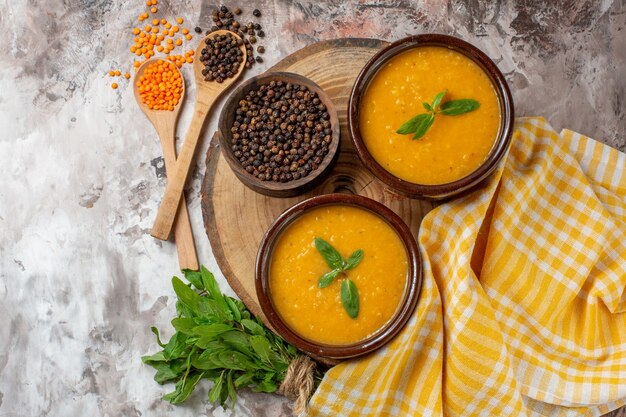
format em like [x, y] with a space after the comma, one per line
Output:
[236, 217]
[165, 124]
[207, 94]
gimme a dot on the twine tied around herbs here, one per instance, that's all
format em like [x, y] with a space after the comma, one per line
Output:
[299, 383]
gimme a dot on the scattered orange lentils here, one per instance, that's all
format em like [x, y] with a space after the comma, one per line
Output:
[160, 86]
[157, 35]
[151, 38]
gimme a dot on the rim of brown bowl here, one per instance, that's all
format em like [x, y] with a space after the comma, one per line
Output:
[385, 333]
[505, 100]
[271, 188]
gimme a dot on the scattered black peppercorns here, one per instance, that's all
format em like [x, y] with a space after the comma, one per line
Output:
[221, 57]
[281, 132]
[223, 18]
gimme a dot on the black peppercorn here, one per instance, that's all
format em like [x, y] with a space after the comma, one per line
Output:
[256, 13]
[267, 133]
[220, 57]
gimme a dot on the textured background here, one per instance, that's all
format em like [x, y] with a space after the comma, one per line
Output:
[81, 280]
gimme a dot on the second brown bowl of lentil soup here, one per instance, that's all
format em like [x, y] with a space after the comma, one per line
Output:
[279, 133]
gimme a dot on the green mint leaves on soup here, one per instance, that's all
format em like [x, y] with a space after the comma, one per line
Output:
[419, 125]
[338, 265]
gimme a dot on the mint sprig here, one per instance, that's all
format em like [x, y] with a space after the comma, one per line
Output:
[349, 293]
[419, 125]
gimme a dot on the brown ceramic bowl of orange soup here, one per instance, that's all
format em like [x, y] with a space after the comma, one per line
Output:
[327, 255]
[458, 149]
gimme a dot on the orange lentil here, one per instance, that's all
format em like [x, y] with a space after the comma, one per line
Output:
[155, 22]
[136, 64]
[179, 20]
[148, 28]
[136, 31]
[163, 21]
[160, 86]
[111, 73]
[171, 33]
[118, 73]
[160, 48]
[148, 3]
[169, 41]
[154, 10]
[188, 37]
[114, 86]
[189, 60]
[175, 29]
[155, 29]
[168, 25]
[185, 31]
[178, 42]
[126, 75]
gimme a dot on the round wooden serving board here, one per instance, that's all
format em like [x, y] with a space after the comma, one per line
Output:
[235, 217]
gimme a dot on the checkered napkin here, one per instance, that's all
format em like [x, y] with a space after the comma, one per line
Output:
[523, 306]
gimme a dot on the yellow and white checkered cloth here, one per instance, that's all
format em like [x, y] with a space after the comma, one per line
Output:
[523, 304]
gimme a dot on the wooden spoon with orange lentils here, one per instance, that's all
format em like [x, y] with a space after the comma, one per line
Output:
[159, 92]
[160, 86]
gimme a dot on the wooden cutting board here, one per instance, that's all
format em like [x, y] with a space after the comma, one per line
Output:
[236, 217]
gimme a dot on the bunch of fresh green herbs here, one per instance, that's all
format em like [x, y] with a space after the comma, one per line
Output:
[218, 339]
[419, 125]
[349, 293]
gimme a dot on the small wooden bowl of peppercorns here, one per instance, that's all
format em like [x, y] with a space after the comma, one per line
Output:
[279, 133]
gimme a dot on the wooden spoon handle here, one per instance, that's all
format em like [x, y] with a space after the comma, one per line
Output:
[176, 182]
[183, 233]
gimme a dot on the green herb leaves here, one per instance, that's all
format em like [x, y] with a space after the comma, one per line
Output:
[326, 279]
[330, 254]
[419, 125]
[349, 293]
[456, 107]
[353, 260]
[350, 298]
[217, 339]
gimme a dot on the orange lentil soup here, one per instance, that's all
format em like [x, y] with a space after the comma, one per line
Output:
[317, 313]
[454, 146]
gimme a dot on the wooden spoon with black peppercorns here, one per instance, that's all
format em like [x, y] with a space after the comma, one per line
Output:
[219, 61]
